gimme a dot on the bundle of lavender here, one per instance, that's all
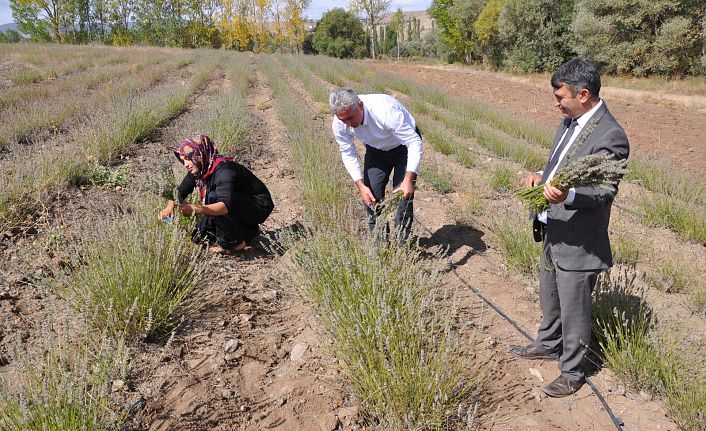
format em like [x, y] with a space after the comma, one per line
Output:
[598, 170]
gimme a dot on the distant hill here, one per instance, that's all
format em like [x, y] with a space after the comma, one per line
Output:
[426, 21]
[6, 27]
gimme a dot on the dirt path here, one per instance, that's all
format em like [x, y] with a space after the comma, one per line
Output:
[655, 130]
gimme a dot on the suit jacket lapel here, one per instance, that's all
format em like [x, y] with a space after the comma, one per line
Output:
[583, 135]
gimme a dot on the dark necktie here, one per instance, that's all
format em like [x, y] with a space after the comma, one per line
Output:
[559, 149]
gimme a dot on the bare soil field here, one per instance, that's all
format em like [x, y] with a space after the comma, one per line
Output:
[257, 354]
[656, 127]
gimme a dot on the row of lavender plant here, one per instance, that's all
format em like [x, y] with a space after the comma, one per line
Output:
[25, 121]
[130, 277]
[38, 62]
[382, 304]
[31, 183]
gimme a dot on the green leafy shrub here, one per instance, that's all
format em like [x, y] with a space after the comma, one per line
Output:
[106, 176]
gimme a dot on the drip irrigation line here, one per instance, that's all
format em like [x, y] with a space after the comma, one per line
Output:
[616, 421]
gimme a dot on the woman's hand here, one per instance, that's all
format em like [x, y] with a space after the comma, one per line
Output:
[167, 212]
[187, 209]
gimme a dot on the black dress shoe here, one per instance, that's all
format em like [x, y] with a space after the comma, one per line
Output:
[562, 387]
[533, 352]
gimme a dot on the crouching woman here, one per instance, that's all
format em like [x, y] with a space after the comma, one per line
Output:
[234, 202]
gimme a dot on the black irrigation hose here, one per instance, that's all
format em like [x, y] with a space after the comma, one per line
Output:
[616, 421]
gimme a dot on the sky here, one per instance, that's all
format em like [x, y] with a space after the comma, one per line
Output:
[315, 10]
[318, 7]
[5, 12]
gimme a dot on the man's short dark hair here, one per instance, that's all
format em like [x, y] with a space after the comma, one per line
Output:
[578, 74]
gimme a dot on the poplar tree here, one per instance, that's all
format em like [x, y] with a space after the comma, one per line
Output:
[370, 11]
[296, 32]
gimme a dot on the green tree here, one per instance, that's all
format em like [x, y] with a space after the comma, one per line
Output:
[455, 19]
[201, 30]
[537, 34]
[38, 18]
[396, 35]
[641, 37]
[391, 45]
[339, 34]
[487, 30]
[370, 11]
[10, 36]
[160, 22]
[119, 15]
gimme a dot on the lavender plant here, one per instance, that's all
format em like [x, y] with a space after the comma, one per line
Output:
[70, 387]
[135, 274]
[598, 170]
[392, 324]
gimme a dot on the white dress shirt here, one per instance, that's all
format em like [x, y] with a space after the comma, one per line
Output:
[386, 125]
[581, 123]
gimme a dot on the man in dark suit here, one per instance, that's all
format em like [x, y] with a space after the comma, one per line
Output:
[574, 227]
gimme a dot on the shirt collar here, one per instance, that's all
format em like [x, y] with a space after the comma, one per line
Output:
[583, 119]
[366, 116]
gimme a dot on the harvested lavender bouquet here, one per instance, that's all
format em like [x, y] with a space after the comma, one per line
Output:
[597, 170]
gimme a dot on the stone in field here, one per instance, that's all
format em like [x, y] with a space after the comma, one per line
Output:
[298, 351]
[231, 345]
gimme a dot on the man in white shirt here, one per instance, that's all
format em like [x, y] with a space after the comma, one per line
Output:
[574, 227]
[392, 143]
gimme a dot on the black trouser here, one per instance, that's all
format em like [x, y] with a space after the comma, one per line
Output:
[240, 224]
[376, 174]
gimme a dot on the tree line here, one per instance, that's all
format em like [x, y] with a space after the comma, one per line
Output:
[256, 25]
[626, 37]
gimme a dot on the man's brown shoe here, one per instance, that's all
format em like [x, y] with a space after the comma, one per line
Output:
[562, 387]
[533, 352]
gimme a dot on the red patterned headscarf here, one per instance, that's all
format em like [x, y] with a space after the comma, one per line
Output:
[200, 151]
